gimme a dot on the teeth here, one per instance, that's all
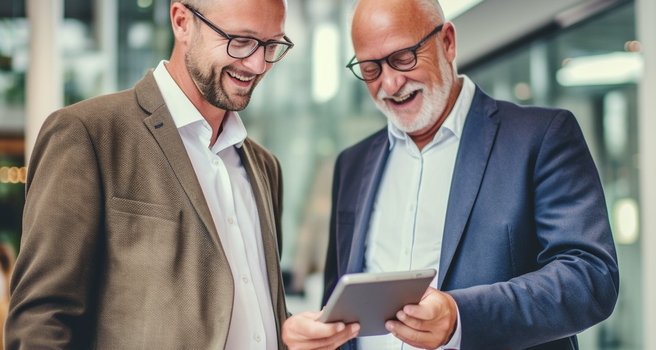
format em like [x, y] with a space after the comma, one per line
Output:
[240, 77]
[403, 98]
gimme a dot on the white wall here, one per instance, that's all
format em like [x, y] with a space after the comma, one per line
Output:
[495, 23]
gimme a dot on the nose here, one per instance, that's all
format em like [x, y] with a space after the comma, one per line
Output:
[391, 80]
[255, 62]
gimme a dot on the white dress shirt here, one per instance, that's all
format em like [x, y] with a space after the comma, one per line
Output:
[230, 198]
[407, 221]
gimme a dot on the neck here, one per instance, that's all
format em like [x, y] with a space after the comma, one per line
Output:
[422, 137]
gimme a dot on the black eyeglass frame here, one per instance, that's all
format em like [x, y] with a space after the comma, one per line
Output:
[288, 43]
[413, 49]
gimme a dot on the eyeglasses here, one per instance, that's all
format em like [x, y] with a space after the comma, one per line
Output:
[241, 47]
[402, 60]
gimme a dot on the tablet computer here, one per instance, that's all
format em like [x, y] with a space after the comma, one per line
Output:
[373, 298]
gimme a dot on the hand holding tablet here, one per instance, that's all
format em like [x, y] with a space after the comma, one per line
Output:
[373, 298]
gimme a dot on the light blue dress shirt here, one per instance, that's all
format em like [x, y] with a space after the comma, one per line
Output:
[407, 221]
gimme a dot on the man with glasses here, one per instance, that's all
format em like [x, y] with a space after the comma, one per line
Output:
[151, 220]
[503, 200]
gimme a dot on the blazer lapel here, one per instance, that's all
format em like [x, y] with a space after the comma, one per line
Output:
[261, 192]
[371, 175]
[166, 134]
[478, 137]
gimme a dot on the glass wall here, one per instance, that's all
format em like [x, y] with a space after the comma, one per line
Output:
[13, 64]
[591, 69]
[308, 109]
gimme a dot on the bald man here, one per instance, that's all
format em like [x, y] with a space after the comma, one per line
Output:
[152, 221]
[503, 200]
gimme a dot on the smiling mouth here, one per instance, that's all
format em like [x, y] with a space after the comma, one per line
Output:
[402, 100]
[241, 78]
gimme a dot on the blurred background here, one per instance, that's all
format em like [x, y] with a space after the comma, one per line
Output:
[594, 57]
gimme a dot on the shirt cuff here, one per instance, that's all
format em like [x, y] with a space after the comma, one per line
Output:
[454, 342]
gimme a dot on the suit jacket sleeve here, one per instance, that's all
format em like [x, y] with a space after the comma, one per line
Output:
[53, 278]
[576, 281]
[331, 265]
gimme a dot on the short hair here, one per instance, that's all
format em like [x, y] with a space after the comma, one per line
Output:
[198, 4]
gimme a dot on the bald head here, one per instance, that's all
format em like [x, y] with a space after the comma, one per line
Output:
[381, 17]
[203, 4]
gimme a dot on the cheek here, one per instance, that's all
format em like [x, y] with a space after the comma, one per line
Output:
[212, 55]
[373, 89]
[428, 74]
[434, 67]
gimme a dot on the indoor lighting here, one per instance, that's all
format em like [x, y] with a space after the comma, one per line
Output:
[144, 4]
[326, 64]
[626, 221]
[13, 175]
[611, 68]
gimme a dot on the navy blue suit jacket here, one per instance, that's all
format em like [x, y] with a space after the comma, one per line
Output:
[527, 251]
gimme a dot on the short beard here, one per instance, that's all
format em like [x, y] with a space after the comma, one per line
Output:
[435, 99]
[211, 86]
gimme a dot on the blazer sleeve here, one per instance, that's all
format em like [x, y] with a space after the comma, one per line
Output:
[331, 266]
[53, 280]
[577, 281]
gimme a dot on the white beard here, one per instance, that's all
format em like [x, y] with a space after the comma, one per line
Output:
[434, 102]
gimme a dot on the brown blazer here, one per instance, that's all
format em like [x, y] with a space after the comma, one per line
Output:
[119, 250]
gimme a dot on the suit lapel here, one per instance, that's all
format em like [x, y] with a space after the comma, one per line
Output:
[166, 134]
[372, 172]
[478, 137]
[261, 192]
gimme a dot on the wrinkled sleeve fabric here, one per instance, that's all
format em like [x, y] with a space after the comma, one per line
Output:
[53, 280]
[577, 282]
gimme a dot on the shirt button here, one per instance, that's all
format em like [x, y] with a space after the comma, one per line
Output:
[244, 279]
[257, 338]
[231, 221]
[215, 162]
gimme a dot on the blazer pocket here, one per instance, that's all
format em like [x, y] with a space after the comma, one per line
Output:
[139, 208]
[141, 235]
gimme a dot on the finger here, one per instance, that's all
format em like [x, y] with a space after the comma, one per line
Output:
[411, 322]
[444, 323]
[318, 330]
[430, 307]
[333, 342]
[426, 311]
[349, 333]
[303, 327]
[416, 338]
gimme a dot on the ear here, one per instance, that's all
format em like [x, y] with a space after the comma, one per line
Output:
[449, 41]
[181, 21]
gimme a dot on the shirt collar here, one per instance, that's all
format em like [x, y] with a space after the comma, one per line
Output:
[184, 113]
[454, 122]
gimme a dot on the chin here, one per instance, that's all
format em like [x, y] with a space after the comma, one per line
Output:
[410, 124]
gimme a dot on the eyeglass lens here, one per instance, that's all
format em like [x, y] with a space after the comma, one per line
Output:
[403, 60]
[240, 47]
